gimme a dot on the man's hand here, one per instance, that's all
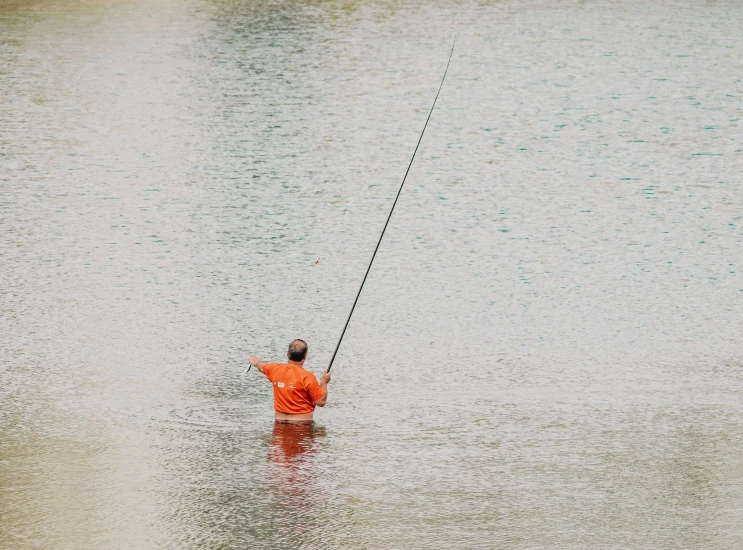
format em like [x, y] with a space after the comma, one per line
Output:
[324, 379]
[256, 362]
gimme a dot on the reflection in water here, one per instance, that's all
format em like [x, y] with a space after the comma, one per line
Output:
[290, 499]
[294, 443]
[293, 474]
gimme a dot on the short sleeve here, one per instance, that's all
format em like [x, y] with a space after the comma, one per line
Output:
[313, 388]
[268, 370]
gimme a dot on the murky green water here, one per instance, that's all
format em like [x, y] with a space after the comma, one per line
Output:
[547, 353]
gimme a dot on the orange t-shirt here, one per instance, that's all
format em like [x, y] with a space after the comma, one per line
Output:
[295, 390]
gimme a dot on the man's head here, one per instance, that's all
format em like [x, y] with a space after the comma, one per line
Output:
[297, 350]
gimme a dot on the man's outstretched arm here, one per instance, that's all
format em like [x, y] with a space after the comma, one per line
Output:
[257, 362]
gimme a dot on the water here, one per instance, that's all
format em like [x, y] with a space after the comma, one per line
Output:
[546, 354]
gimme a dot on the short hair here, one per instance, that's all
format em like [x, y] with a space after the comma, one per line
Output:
[297, 350]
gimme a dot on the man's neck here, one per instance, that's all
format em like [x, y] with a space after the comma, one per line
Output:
[295, 363]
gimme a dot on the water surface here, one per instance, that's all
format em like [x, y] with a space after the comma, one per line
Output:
[547, 352]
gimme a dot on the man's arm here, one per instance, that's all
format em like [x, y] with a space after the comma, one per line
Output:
[256, 362]
[324, 379]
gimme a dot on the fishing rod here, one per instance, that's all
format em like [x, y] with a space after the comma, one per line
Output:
[392, 209]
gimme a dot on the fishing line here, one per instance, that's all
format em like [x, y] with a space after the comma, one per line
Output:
[392, 209]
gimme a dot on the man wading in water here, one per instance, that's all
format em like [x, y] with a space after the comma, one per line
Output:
[295, 390]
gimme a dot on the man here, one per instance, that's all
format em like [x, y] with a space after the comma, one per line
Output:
[295, 390]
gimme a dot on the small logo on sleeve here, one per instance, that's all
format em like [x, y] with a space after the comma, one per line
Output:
[281, 384]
